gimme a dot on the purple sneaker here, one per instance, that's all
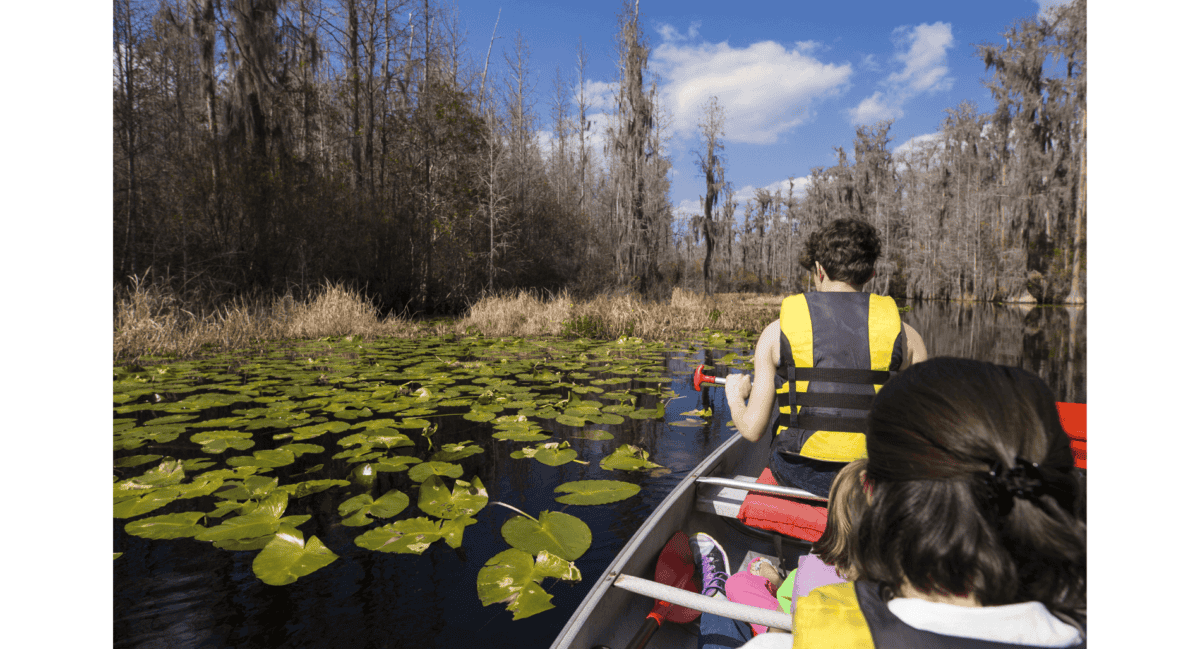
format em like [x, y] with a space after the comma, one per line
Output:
[714, 564]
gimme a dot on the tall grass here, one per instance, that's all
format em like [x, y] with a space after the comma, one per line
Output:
[149, 318]
[612, 316]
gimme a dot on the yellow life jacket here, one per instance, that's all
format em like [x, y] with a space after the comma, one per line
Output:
[836, 350]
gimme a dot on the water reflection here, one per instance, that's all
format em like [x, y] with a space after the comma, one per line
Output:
[1048, 341]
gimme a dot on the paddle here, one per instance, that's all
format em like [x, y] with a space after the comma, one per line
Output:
[699, 379]
[675, 568]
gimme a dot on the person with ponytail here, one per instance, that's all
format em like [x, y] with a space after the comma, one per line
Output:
[971, 537]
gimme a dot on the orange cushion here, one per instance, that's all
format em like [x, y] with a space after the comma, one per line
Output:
[795, 519]
[1074, 420]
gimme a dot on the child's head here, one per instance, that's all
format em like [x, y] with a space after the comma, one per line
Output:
[972, 488]
[846, 504]
[846, 249]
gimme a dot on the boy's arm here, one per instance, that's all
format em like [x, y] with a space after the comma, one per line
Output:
[751, 419]
[915, 347]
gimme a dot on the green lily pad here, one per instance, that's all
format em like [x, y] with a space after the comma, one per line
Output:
[399, 463]
[168, 526]
[139, 505]
[411, 422]
[456, 452]
[218, 441]
[452, 530]
[409, 536]
[509, 578]
[287, 558]
[247, 526]
[687, 423]
[571, 420]
[549, 453]
[554, 532]
[467, 498]
[479, 416]
[136, 460]
[300, 449]
[594, 434]
[264, 459]
[302, 489]
[595, 492]
[360, 509]
[628, 458]
[422, 471]
[520, 435]
[309, 432]
[649, 413]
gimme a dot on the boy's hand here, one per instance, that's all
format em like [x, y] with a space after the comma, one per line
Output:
[737, 386]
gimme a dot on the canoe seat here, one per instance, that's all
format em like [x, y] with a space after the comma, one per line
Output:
[781, 515]
[1074, 421]
[796, 519]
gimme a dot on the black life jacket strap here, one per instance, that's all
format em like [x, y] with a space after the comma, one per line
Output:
[824, 400]
[839, 375]
[839, 424]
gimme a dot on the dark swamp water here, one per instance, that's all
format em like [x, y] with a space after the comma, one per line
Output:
[182, 593]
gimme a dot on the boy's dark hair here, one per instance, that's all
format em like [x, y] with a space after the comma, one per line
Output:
[973, 489]
[846, 248]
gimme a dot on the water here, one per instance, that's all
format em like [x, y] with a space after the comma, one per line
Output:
[184, 593]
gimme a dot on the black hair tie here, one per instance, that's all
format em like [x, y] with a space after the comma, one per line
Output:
[1023, 480]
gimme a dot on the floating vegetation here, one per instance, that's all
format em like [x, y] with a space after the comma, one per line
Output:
[392, 436]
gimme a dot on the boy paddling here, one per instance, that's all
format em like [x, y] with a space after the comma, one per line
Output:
[819, 365]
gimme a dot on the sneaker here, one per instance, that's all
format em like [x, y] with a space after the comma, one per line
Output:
[714, 565]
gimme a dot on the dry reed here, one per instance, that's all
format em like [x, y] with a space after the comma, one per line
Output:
[150, 319]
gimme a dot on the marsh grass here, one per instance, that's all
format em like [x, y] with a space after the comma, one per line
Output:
[613, 316]
[150, 319]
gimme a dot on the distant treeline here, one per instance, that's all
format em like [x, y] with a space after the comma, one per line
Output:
[264, 146]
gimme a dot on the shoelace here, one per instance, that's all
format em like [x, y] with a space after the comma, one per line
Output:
[713, 579]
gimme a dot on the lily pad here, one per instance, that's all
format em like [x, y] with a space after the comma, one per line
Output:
[136, 460]
[360, 509]
[137, 506]
[248, 526]
[509, 578]
[302, 489]
[467, 498]
[218, 441]
[422, 471]
[649, 413]
[520, 435]
[409, 536]
[168, 526]
[399, 463]
[628, 458]
[456, 452]
[595, 492]
[554, 532]
[264, 459]
[287, 558]
[594, 434]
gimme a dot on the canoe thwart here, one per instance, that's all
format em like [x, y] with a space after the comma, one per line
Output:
[761, 488]
[705, 604]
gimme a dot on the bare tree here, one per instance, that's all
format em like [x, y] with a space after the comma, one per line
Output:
[712, 166]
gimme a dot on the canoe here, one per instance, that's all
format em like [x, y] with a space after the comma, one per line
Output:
[707, 500]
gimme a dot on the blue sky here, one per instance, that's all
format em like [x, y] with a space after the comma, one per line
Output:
[795, 78]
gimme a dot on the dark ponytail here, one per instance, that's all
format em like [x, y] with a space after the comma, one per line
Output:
[973, 489]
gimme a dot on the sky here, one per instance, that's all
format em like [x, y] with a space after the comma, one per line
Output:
[794, 79]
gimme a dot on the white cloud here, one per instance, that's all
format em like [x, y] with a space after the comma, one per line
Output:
[765, 88]
[598, 95]
[669, 33]
[918, 142]
[925, 67]
[875, 108]
[921, 57]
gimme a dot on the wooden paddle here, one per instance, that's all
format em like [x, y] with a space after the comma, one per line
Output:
[675, 568]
